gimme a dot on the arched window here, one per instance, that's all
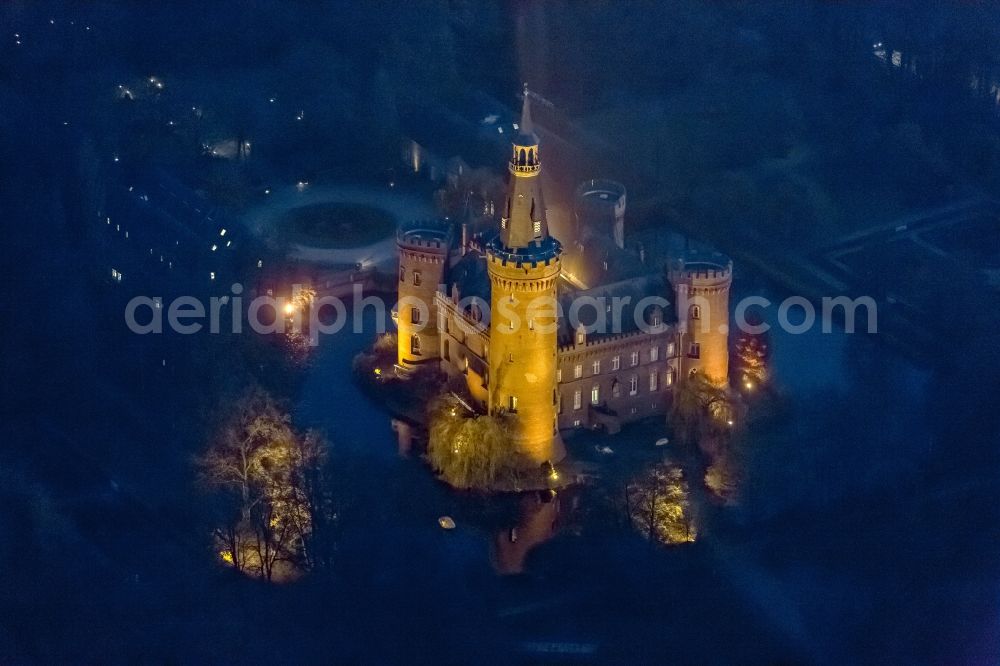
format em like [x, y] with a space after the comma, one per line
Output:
[415, 344]
[521, 157]
[531, 156]
[695, 312]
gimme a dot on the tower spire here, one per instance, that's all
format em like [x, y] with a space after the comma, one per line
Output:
[523, 222]
[526, 126]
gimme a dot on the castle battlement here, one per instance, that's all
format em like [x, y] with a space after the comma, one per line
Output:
[425, 235]
[544, 252]
[611, 338]
[698, 266]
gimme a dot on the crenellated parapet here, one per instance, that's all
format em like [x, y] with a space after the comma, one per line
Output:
[612, 339]
[430, 237]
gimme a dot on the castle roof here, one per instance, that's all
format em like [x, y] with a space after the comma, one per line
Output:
[634, 290]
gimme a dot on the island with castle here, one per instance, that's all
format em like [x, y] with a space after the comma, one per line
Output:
[493, 313]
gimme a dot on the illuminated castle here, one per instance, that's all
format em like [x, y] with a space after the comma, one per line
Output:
[494, 312]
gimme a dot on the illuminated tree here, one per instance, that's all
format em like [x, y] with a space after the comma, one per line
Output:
[658, 507]
[722, 478]
[270, 481]
[751, 353]
[471, 451]
[700, 409]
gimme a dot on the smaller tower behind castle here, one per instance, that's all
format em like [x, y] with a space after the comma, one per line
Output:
[701, 284]
[423, 257]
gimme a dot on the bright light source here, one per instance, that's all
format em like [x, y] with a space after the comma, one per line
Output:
[749, 386]
[289, 309]
[222, 233]
[729, 422]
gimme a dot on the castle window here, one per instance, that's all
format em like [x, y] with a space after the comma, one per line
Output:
[576, 423]
[694, 351]
[656, 319]
[654, 381]
[447, 355]
[537, 225]
[616, 362]
[670, 349]
[633, 385]
[531, 324]
[670, 377]
[577, 399]
[402, 274]
[635, 358]
[414, 315]
[597, 367]
[416, 278]
[415, 345]
[695, 312]
[558, 375]
[512, 403]
[616, 389]
[578, 371]
[654, 353]
[510, 357]
[503, 222]
[595, 394]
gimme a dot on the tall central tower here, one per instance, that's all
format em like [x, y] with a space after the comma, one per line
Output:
[524, 264]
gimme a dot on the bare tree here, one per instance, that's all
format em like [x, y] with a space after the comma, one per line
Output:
[272, 482]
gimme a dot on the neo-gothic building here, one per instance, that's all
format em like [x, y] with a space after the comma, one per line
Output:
[526, 361]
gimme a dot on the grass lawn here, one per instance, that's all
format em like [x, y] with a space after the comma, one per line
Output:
[337, 225]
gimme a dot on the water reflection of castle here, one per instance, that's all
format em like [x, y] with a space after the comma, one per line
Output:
[537, 522]
[549, 376]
